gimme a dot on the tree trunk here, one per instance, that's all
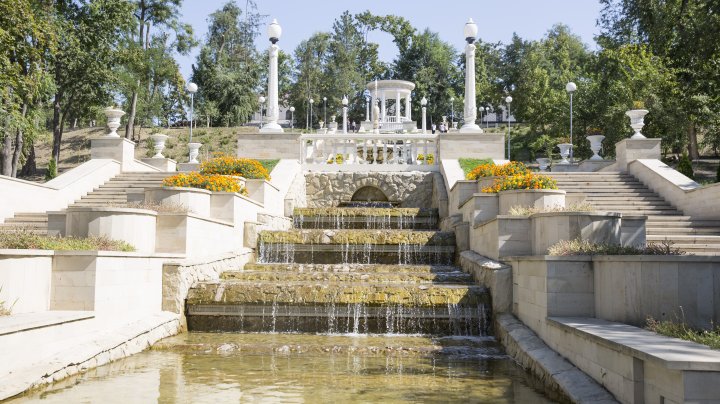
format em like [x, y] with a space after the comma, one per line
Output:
[6, 155]
[57, 127]
[693, 142]
[18, 145]
[30, 166]
[130, 127]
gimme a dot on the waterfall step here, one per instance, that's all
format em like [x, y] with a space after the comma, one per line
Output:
[328, 277]
[357, 237]
[365, 268]
[365, 218]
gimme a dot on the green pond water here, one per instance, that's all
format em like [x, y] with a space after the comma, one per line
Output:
[299, 368]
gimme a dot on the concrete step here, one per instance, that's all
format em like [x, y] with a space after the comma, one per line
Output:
[457, 277]
[660, 223]
[710, 231]
[362, 268]
[686, 239]
[27, 219]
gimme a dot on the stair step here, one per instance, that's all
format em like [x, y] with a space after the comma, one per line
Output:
[352, 277]
[363, 268]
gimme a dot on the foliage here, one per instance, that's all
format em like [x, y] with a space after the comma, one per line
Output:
[26, 239]
[711, 338]
[269, 165]
[467, 164]
[229, 165]
[685, 166]
[584, 247]
[491, 170]
[638, 105]
[717, 176]
[521, 181]
[5, 310]
[51, 170]
[161, 207]
[337, 160]
[211, 182]
[528, 210]
[430, 158]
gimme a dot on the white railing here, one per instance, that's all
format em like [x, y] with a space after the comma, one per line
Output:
[399, 151]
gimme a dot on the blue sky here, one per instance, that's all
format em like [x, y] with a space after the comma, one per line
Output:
[497, 20]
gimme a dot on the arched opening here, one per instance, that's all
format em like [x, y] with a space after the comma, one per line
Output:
[369, 194]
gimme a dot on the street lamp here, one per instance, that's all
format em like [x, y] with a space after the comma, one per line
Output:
[452, 112]
[292, 118]
[345, 108]
[487, 117]
[367, 108]
[192, 89]
[423, 102]
[570, 88]
[470, 114]
[311, 113]
[481, 109]
[261, 101]
[274, 31]
[325, 110]
[508, 100]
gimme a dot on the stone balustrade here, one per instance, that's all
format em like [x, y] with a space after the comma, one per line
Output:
[393, 152]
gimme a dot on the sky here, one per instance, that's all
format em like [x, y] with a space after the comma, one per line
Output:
[496, 20]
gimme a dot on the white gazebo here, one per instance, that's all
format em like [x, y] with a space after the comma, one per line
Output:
[397, 91]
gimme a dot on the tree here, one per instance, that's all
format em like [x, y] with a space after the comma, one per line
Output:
[311, 57]
[228, 71]
[163, 16]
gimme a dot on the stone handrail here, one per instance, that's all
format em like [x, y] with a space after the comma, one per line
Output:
[378, 149]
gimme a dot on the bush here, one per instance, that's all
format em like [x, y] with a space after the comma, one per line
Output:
[213, 182]
[528, 210]
[491, 170]
[685, 166]
[25, 239]
[711, 338]
[430, 158]
[228, 165]
[584, 247]
[51, 170]
[522, 181]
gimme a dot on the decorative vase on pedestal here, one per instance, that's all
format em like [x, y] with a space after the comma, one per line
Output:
[595, 145]
[564, 152]
[113, 120]
[158, 140]
[543, 163]
[194, 152]
[637, 121]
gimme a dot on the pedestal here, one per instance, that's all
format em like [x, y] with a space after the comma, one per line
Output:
[628, 150]
[187, 167]
[164, 164]
[114, 148]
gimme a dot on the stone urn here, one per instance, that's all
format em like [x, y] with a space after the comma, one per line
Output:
[158, 140]
[194, 152]
[322, 124]
[564, 152]
[113, 120]
[544, 163]
[595, 146]
[637, 121]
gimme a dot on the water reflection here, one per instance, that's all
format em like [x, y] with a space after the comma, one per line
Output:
[274, 368]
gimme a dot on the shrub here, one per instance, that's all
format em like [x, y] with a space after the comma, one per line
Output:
[25, 239]
[430, 158]
[51, 170]
[213, 182]
[522, 181]
[638, 105]
[338, 159]
[527, 210]
[681, 330]
[228, 165]
[584, 247]
[491, 170]
[5, 310]
[685, 166]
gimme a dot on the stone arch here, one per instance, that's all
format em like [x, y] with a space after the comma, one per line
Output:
[369, 193]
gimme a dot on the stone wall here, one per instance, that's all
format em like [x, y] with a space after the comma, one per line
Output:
[411, 189]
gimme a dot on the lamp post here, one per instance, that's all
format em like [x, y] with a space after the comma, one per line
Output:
[452, 112]
[311, 113]
[469, 126]
[292, 118]
[274, 32]
[325, 110]
[192, 89]
[481, 110]
[367, 109]
[570, 88]
[487, 116]
[423, 102]
[261, 101]
[345, 108]
[508, 100]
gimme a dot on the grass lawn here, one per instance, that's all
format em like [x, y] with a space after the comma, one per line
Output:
[468, 164]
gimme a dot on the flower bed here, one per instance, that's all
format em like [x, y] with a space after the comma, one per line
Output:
[228, 165]
[522, 181]
[210, 182]
[491, 170]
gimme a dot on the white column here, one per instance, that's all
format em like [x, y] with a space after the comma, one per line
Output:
[272, 101]
[397, 106]
[345, 120]
[470, 109]
[383, 110]
[367, 110]
[424, 109]
[407, 108]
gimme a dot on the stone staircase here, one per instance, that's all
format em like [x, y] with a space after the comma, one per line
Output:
[623, 193]
[116, 190]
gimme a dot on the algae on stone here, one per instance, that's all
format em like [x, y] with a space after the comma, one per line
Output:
[393, 212]
[346, 236]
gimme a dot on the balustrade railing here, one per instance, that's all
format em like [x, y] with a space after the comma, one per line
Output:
[375, 149]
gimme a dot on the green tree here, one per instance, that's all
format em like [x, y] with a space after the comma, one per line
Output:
[311, 58]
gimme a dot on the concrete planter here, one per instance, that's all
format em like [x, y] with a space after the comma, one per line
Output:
[547, 229]
[135, 226]
[194, 235]
[538, 198]
[637, 122]
[234, 208]
[264, 192]
[194, 199]
[484, 182]
[25, 276]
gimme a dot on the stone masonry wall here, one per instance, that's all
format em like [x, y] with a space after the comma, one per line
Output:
[411, 189]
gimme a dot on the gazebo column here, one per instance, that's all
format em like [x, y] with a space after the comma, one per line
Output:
[407, 108]
[383, 110]
[397, 106]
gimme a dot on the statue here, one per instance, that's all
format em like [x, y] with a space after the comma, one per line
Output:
[376, 115]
